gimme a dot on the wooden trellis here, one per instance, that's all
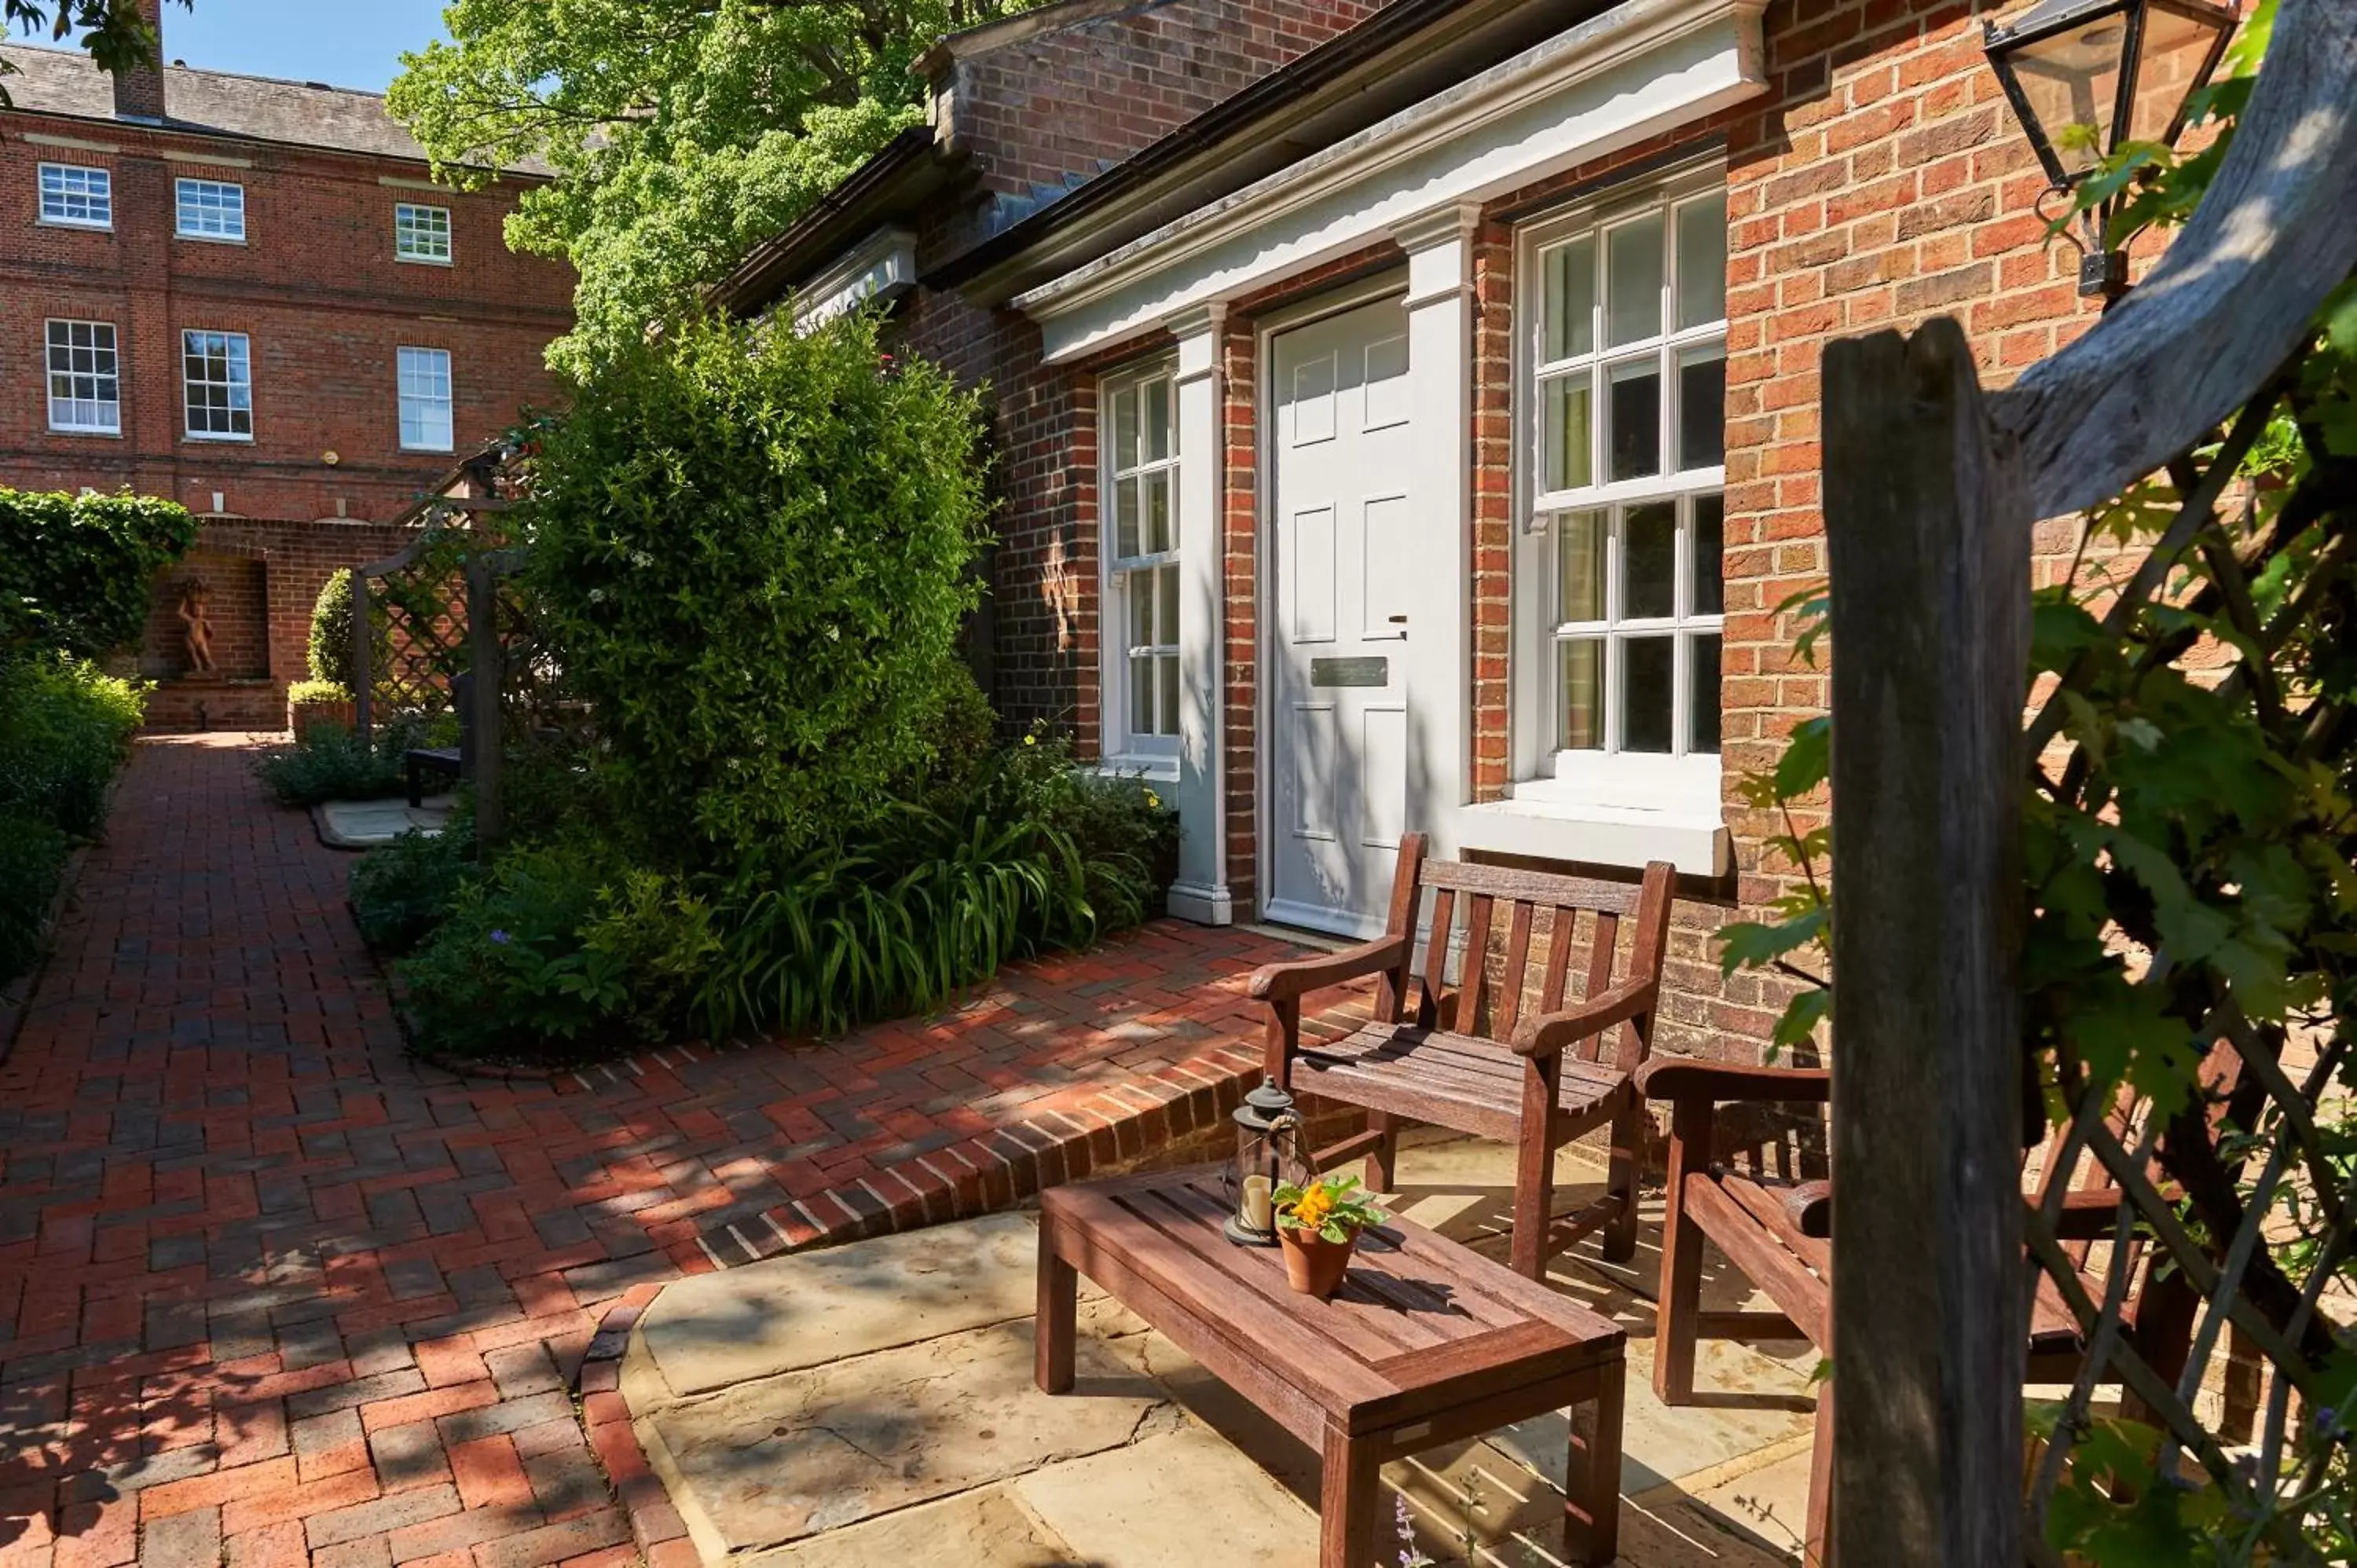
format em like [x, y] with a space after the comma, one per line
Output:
[1930, 487]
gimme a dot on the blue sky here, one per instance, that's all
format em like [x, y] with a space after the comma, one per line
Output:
[345, 43]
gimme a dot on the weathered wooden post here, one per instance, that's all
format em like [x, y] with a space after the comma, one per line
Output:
[484, 750]
[1928, 493]
[1928, 537]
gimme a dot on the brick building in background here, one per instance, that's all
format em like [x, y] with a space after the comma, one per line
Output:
[246, 295]
[1427, 435]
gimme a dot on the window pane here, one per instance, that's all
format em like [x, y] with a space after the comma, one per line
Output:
[1157, 420]
[1141, 696]
[1702, 408]
[1709, 597]
[1167, 719]
[1635, 415]
[1141, 609]
[1702, 665]
[1632, 270]
[1571, 300]
[1566, 434]
[1165, 616]
[1702, 262]
[1648, 679]
[1158, 536]
[1124, 428]
[1580, 536]
[1583, 694]
[1125, 518]
[1648, 553]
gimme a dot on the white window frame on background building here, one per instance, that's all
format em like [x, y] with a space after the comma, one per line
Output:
[1140, 548]
[76, 196]
[425, 391]
[89, 370]
[421, 233]
[1589, 543]
[210, 210]
[227, 398]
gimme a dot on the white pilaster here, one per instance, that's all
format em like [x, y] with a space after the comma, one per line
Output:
[1201, 892]
[1439, 247]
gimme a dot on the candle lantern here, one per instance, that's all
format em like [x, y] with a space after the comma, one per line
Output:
[1269, 1154]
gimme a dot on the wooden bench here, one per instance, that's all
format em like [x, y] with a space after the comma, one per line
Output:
[1476, 1062]
[1426, 1343]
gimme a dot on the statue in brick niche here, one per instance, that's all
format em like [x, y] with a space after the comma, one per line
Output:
[197, 630]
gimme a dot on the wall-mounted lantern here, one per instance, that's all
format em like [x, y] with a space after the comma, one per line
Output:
[2088, 76]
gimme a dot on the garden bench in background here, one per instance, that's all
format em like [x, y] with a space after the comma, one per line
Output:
[1426, 1342]
[1538, 1081]
[450, 762]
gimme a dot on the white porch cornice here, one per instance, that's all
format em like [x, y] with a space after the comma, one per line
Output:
[1643, 67]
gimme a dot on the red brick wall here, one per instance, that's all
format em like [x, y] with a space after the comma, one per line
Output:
[1047, 111]
[317, 289]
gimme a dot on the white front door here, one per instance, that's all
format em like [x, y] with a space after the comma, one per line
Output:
[1342, 616]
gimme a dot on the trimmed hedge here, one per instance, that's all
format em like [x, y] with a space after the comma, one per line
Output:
[64, 725]
[75, 571]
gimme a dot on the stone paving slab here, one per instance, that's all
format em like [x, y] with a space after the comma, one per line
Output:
[1202, 1477]
[367, 824]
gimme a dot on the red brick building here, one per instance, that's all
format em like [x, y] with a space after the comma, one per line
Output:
[246, 295]
[1426, 436]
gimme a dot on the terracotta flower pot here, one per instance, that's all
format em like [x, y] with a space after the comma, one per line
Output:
[1313, 1265]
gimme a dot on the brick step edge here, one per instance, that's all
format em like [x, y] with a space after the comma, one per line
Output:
[1066, 1136]
[656, 1528]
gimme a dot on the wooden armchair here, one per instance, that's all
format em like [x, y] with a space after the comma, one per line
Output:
[1537, 1082]
[1777, 1230]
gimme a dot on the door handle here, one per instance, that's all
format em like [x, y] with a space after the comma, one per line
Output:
[1396, 620]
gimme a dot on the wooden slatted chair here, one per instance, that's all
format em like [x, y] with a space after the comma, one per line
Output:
[1777, 1229]
[1535, 1081]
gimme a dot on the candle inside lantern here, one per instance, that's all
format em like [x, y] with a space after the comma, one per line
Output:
[1257, 1211]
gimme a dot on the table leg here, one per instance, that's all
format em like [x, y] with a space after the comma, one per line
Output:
[1060, 1289]
[1349, 1495]
[1591, 1526]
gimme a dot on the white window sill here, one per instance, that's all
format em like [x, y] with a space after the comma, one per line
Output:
[1690, 836]
[424, 261]
[445, 451]
[230, 439]
[209, 239]
[114, 434]
[87, 228]
[1157, 769]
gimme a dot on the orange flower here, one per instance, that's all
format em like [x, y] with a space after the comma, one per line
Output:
[1315, 1205]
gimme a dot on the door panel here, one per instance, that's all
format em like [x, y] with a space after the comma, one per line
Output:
[1338, 656]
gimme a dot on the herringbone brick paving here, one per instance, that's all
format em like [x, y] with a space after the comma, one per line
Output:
[270, 1290]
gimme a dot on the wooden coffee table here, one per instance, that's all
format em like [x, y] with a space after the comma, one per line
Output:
[1427, 1343]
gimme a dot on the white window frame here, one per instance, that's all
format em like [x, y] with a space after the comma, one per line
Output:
[410, 362]
[1547, 774]
[95, 192]
[1153, 750]
[236, 354]
[217, 206]
[109, 376]
[411, 222]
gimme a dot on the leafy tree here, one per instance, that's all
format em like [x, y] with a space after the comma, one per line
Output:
[114, 31]
[679, 132]
[75, 571]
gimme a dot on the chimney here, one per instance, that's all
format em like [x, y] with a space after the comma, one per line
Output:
[139, 89]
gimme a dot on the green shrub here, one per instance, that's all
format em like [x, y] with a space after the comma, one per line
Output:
[404, 890]
[753, 547]
[301, 692]
[63, 727]
[75, 571]
[561, 951]
[330, 647]
[32, 858]
[327, 764]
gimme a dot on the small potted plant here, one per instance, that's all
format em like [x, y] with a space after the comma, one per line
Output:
[1319, 1227]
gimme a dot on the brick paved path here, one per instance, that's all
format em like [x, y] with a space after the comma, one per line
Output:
[269, 1289]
